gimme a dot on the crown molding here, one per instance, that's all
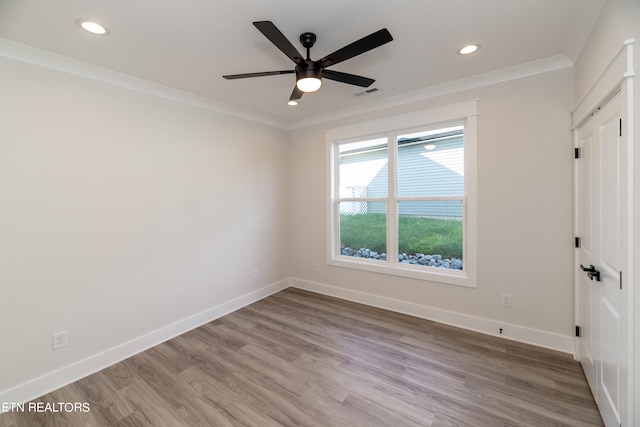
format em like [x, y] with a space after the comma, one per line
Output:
[31, 55]
[481, 80]
[42, 58]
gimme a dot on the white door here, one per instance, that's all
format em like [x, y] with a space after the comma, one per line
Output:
[600, 204]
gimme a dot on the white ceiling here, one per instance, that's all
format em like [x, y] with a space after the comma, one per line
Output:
[189, 44]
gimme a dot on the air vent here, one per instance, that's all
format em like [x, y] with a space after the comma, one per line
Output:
[375, 89]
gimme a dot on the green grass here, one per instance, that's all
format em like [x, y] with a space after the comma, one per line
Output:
[417, 235]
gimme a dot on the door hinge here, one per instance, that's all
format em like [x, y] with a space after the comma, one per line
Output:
[578, 331]
[576, 153]
[577, 242]
[620, 127]
[621, 280]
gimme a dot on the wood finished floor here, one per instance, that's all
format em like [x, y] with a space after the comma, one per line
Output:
[302, 359]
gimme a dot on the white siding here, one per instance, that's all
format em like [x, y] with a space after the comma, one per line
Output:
[421, 172]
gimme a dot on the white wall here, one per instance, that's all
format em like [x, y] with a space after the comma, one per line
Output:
[122, 213]
[619, 20]
[525, 218]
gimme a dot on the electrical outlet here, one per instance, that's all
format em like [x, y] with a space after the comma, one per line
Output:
[59, 340]
[506, 300]
[256, 273]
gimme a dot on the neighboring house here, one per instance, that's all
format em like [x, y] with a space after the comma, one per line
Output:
[428, 165]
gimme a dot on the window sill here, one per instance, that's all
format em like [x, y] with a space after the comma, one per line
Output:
[431, 274]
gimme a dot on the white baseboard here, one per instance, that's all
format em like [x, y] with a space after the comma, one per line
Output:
[51, 381]
[550, 340]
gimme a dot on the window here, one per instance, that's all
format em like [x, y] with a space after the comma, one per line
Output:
[403, 202]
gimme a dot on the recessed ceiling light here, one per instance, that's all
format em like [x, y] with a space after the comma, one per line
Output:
[292, 102]
[93, 27]
[430, 147]
[468, 49]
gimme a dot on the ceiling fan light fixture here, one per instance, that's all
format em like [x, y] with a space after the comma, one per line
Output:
[309, 84]
[308, 77]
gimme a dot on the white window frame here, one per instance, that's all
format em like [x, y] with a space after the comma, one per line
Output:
[463, 113]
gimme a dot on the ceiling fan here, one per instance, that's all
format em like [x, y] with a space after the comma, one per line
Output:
[309, 73]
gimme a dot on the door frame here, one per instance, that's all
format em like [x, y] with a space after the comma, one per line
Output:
[618, 76]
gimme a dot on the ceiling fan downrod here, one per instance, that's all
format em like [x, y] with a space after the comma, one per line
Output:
[308, 40]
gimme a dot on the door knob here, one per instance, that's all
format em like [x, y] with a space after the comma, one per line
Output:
[591, 271]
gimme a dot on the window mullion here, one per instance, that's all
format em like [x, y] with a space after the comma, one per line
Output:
[392, 204]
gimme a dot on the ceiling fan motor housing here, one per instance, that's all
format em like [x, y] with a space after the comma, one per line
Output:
[308, 69]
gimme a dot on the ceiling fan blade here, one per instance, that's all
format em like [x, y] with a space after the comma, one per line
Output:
[274, 35]
[351, 79]
[296, 94]
[363, 45]
[262, 74]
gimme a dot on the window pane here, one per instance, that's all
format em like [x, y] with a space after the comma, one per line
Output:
[430, 233]
[363, 169]
[431, 163]
[363, 235]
